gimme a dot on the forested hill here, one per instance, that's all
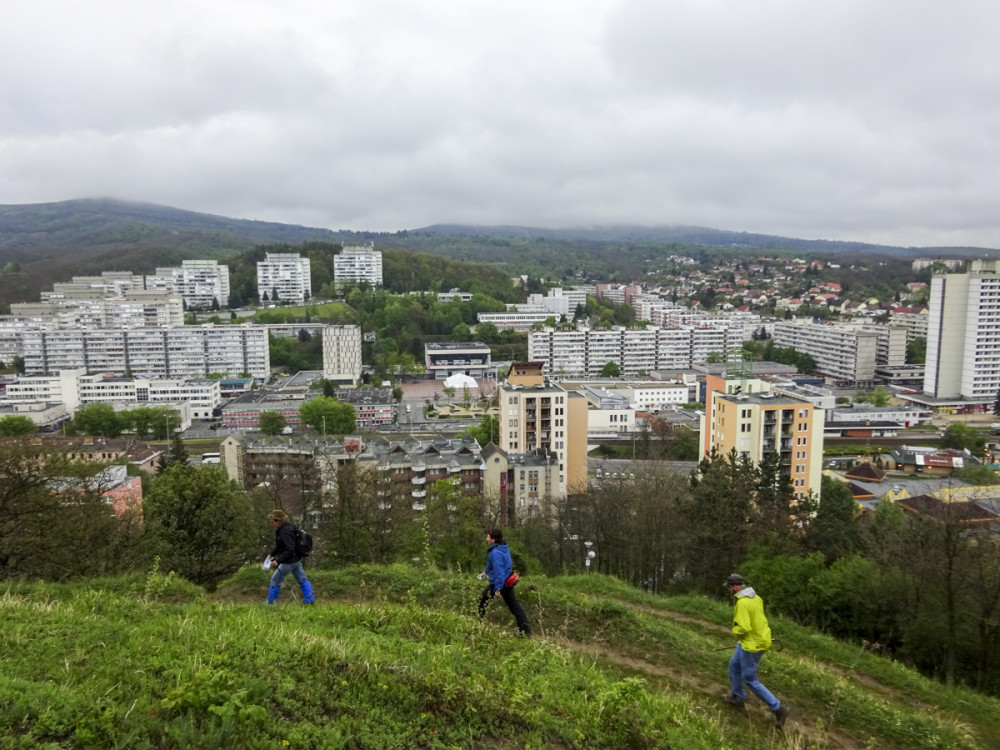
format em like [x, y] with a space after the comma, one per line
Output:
[43, 243]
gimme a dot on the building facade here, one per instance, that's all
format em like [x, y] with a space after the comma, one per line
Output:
[963, 335]
[741, 414]
[540, 417]
[357, 264]
[185, 352]
[342, 354]
[284, 277]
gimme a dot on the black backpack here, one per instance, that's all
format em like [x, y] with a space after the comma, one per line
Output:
[303, 543]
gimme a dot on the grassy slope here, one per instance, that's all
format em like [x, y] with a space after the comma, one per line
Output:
[391, 658]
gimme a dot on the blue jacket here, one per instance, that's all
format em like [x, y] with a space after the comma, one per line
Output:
[498, 565]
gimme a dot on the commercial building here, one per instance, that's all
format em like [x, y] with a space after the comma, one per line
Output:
[284, 277]
[963, 336]
[358, 264]
[469, 358]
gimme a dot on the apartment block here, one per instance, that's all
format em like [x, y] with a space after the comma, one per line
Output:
[845, 352]
[202, 284]
[637, 351]
[741, 414]
[189, 351]
[963, 335]
[342, 354]
[357, 264]
[132, 309]
[285, 277]
[537, 416]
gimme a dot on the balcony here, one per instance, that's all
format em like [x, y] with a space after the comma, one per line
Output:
[418, 480]
[418, 493]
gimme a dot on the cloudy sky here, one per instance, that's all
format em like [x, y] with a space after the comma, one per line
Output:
[838, 119]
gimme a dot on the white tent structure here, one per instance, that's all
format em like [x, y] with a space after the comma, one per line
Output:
[459, 380]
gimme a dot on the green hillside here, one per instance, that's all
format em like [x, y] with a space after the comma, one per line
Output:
[391, 657]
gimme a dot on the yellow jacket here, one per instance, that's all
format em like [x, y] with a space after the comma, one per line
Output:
[749, 622]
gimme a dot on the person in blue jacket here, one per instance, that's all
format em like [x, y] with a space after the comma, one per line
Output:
[498, 567]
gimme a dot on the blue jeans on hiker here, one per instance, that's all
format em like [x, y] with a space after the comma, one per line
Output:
[284, 569]
[743, 676]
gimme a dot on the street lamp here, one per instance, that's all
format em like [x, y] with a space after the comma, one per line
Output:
[590, 554]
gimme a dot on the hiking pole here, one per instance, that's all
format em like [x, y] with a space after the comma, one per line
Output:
[291, 590]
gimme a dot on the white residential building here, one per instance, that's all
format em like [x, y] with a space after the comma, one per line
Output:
[200, 283]
[74, 388]
[358, 263]
[342, 354]
[963, 334]
[132, 309]
[285, 277]
[845, 352]
[584, 352]
[189, 351]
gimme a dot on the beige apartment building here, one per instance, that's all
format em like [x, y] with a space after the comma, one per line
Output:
[538, 416]
[744, 414]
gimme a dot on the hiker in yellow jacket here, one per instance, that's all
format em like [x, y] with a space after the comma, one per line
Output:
[754, 634]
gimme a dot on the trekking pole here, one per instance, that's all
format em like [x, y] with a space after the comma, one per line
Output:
[291, 590]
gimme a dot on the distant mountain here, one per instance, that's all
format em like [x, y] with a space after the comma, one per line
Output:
[691, 235]
[29, 231]
[47, 242]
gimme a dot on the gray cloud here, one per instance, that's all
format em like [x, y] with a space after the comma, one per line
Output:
[839, 120]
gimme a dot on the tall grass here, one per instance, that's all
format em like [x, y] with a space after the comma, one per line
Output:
[393, 657]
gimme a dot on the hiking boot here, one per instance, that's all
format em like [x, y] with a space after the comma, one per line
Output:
[733, 701]
[779, 716]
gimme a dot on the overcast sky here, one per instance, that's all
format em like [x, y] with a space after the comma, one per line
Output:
[876, 121]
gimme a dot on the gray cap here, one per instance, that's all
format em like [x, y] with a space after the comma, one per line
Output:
[735, 580]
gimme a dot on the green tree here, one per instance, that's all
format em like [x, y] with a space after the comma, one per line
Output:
[961, 436]
[97, 419]
[272, 422]
[53, 515]
[488, 333]
[17, 425]
[175, 455]
[202, 525]
[610, 370]
[834, 530]
[719, 518]
[487, 431]
[916, 351]
[329, 416]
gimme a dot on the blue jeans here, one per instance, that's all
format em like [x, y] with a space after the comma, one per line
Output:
[284, 569]
[743, 675]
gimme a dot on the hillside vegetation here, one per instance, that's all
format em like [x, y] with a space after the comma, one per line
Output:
[392, 657]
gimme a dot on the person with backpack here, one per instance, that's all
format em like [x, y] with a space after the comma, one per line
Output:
[286, 558]
[499, 567]
[754, 634]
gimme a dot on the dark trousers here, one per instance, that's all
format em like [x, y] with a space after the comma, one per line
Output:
[510, 598]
